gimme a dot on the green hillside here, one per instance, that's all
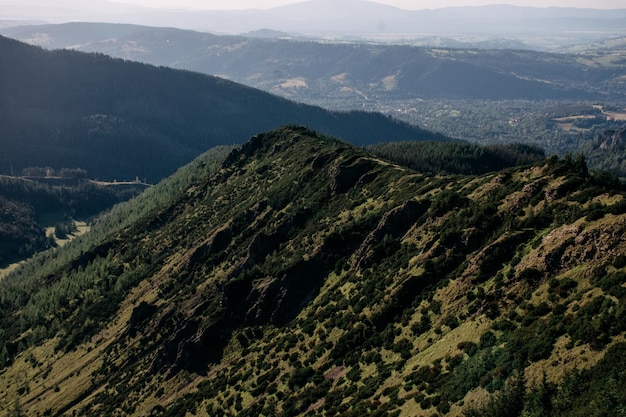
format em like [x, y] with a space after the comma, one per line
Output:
[122, 120]
[300, 275]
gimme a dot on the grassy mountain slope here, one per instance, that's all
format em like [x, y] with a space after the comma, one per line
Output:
[122, 120]
[302, 275]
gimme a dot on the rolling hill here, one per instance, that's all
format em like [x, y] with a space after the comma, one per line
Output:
[312, 70]
[123, 120]
[300, 275]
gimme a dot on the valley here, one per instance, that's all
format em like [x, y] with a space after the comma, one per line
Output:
[481, 95]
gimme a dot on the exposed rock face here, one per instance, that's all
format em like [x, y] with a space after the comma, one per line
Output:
[611, 139]
[575, 244]
[191, 346]
[216, 244]
[140, 314]
[278, 301]
[393, 225]
[347, 174]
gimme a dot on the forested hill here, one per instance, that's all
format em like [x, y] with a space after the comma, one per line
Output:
[300, 275]
[457, 157]
[122, 120]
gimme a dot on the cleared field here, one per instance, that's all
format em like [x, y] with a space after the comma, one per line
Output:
[613, 115]
[82, 227]
[567, 123]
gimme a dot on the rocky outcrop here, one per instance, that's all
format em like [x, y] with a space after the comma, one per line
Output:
[393, 225]
[347, 174]
[279, 300]
[217, 243]
[571, 245]
[611, 140]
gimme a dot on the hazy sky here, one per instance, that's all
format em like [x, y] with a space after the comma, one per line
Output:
[404, 4]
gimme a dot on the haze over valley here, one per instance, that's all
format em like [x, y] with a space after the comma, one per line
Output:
[485, 89]
[348, 20]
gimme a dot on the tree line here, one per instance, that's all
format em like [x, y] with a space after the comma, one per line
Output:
[458, 157]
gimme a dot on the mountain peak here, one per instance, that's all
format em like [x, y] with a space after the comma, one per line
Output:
[281, 139]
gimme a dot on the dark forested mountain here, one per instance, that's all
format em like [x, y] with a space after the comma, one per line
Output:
[300, 275]
[314, 70]
[122, 120]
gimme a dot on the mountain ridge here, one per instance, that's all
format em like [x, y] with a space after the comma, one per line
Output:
[383, 18]
[301, 275]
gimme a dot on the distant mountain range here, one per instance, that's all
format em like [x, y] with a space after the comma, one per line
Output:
[122, 120]
[353, 17]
